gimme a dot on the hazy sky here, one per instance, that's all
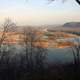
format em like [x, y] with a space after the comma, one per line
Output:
[39, 11]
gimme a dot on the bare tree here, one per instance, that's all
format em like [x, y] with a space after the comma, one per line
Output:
[4, 48]
[76, 52]
[35, 55]
[76, 55]
[8, 26]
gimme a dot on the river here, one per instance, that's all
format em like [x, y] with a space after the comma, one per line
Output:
[60, 55]
[54, 55]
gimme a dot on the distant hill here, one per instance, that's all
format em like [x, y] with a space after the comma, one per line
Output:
[72, 25]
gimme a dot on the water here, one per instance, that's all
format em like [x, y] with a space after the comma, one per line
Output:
[55, 55]
[77, 39]
[60, 55]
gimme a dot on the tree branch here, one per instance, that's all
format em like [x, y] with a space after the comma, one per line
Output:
[78, 1]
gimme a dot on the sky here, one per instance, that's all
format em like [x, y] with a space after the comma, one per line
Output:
[39, 12]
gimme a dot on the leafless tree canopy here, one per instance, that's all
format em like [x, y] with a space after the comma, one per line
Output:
[7, 26]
